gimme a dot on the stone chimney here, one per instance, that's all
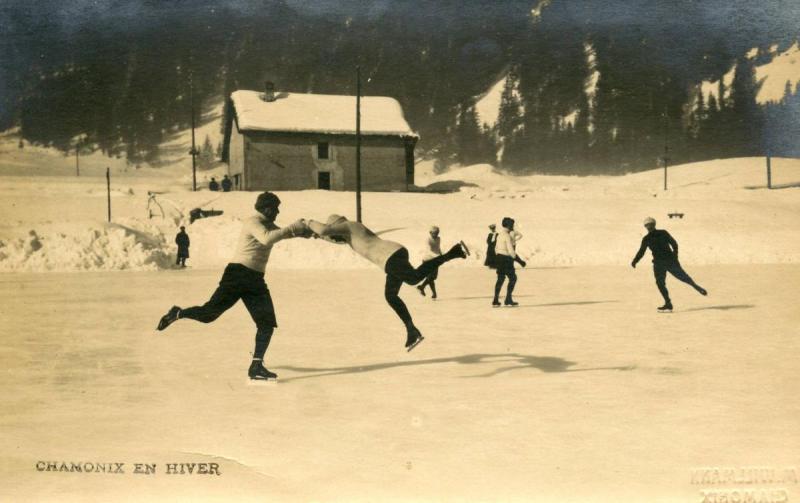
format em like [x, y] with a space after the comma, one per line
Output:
[269, 91]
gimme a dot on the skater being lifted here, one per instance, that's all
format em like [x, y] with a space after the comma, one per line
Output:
[389, 256]
[244, 279]
[665, 259]
[505, 256]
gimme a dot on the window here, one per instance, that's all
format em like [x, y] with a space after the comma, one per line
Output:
[322, 150]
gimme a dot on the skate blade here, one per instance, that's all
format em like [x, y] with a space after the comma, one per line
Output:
[262, 382]
[466, 250]
[665, 311]
[412, 346]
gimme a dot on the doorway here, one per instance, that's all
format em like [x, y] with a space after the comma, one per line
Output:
[324, 180]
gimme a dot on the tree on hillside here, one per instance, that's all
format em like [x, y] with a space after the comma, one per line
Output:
[509, 118]
[473, 143]
[745, 116]
[206, 157]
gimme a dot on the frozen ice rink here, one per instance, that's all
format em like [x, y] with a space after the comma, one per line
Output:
[581, 393]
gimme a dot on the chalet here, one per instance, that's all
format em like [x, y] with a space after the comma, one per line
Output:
[291, 141]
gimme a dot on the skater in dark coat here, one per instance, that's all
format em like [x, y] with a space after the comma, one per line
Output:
[226, 184]
[213, 185]
[491, 240]
[244, 279]
[182, 240]
[665, 259]
[505, 256]
[434, 246]
[391, 257]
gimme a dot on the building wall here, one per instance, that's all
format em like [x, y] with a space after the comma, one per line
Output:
[286, 161]
[236, 157]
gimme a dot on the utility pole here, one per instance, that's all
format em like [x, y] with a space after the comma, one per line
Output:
[358, 144]
[193, 151]
[666, 148]
[77, 155]
[108, 191]
[769, 172]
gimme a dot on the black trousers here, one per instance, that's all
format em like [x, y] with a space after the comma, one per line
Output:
[660, 270]
[505, 268]
[399, 270]
[238, 282]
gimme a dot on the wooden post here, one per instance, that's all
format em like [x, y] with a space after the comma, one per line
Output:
[108, 186]
[769, 172]
[666, 148]
[194, 150]
[358, 144]
[77, 162]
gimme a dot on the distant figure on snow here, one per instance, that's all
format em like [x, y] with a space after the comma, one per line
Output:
[226, 184]
[389, 256]
[505, 256]
[665, 259]
[213, 185]
[491, 240]
[244, 279]
[32, 243]
[434, 245]
[182, 240]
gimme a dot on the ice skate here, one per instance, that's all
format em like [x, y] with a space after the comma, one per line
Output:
[169, 318]
[414, 338]
[666, 308]
[257, 372]
[702, 291]
[457, 251]
[496, 303]
[421, 290]
[464, 246]
[511, 303]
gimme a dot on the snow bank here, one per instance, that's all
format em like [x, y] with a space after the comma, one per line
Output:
[728, 218]
[85, 247]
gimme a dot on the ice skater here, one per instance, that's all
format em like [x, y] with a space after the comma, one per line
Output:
[665, 259]
[182, 240]
[244, 279]
[505, 256]
[389, 256]
[491, 241]
[434, 245]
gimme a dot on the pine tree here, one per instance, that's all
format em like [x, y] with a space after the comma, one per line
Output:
[509, 117]
[787, 92]
[745, 117]
[472, 144]
[206, 157]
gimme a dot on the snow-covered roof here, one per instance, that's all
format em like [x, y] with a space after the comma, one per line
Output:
[319, 113]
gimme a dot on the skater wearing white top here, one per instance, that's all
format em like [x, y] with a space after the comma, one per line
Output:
[391, 257]
[505, 256]
[244, 279]
[434, 245]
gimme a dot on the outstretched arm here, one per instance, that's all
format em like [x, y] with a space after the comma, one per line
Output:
[271, 235]
[640, 253]
[335, 233]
